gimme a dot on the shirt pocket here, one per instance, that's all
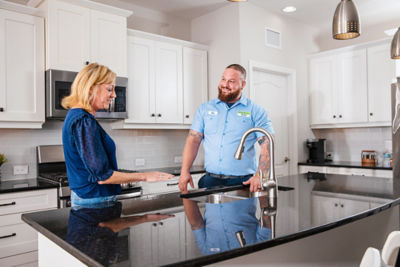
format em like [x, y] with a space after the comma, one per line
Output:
[239, 123]
[210, 124]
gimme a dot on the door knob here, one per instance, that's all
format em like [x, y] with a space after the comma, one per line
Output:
[286, 159]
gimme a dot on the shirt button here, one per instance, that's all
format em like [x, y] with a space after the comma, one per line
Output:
[223, 134]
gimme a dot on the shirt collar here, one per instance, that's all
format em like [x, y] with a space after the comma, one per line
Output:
[243, 100]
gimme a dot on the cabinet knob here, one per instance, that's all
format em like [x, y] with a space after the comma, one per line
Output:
[341, 205]
[1, 109]
[153, 115]
[159, 115]
[154, 224]
[161, 223]
[371, 114]
[336, 204]
[87, 62]
[187, 116]
[340, 116]
[334, 116]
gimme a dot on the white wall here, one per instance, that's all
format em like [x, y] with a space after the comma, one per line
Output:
[157, 147]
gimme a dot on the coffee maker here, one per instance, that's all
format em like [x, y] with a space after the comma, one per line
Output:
[316, 148]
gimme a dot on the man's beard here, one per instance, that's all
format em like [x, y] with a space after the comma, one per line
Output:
[228, 97]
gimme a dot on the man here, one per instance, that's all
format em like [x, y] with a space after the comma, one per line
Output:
[221, 123]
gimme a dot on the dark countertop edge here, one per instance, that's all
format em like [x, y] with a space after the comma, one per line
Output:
[61, 243]
[284, 239]
[29, 188]
[227, 254]
[344, 164]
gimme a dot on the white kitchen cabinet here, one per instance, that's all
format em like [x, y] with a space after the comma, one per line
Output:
[158, 242]
[347, 171]
[381, 70]
[350, 87]
[79, 32]
[167, 81]
[326, 209]
[21, 70]
[194, 81]
[339, 88]
[18, 241]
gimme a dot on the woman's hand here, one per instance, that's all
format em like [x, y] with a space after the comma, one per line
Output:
[157, 176]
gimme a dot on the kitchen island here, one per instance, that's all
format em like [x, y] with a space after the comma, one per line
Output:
[169, 230]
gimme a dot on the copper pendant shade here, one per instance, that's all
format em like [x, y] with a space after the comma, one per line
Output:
[346, 23]
[395, 48]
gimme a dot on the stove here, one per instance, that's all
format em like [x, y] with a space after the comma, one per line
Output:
[51, 168]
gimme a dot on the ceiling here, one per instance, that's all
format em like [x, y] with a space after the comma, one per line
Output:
[311, 12]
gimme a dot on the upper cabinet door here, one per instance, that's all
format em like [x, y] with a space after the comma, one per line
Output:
[169, 97]
[194, 81]
[381, 71]
[352, 90]
[323, 93]
[108, 41]
[68, 36]
[141, 81]
[21, 70]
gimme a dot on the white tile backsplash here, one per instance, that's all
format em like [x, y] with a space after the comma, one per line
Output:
[157, 147]
[347, 144]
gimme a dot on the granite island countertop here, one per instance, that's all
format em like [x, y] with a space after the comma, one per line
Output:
[20, 185]
[155, 230]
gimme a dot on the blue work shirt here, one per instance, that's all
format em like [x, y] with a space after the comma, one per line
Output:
[222, 221]
[89, 154]
[223, 128]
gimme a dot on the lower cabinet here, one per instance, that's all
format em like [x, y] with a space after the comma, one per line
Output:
[18, 241]
[156, 243]
[329, 207]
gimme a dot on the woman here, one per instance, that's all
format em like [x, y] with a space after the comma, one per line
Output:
[89, 151]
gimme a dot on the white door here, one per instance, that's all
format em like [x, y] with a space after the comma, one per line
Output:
[169, 99]
[270, 90]
[21, 67]
[69, 36]
[194, 81]
[108, 42]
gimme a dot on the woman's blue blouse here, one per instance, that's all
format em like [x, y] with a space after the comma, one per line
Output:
[89, 155]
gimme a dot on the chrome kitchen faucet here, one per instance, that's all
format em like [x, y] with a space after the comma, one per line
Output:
[267, 184]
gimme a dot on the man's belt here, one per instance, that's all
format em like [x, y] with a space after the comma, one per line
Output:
[221, 176]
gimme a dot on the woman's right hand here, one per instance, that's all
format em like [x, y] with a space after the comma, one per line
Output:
[157, 176]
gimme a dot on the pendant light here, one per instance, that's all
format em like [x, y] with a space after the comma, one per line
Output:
[346, 24]
[395, 48]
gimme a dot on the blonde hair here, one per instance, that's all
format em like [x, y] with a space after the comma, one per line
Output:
[84, 87]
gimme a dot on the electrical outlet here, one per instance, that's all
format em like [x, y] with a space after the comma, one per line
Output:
[140, 162]
[178, 159]
[21, 169]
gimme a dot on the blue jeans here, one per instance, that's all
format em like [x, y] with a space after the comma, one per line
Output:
[208, 181]
[77, 202]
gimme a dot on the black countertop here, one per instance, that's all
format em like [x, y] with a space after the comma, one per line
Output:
[13, 186]
[347, 164]
[142, 231]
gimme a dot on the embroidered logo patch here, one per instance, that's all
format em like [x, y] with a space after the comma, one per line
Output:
[243, 114]
[212, 112]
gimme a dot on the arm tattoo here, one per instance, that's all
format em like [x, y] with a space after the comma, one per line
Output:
[264, 159]
[195, 134]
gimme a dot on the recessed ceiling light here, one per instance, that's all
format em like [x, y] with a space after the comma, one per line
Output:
[289, 9]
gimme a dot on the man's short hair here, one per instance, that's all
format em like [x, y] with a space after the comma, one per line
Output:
[238, 68]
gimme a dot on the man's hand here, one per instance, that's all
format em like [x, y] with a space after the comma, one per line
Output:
[157, 176]
[184, 179]
[254, 183]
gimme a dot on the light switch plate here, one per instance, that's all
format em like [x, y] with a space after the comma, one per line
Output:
[21, 169]
[140, 162]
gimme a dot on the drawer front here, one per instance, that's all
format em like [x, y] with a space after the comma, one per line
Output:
[17, 239]
[306, 169]
[29, 259]
[28, 201]
[161, 187]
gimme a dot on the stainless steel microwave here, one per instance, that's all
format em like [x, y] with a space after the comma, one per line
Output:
[58, 86]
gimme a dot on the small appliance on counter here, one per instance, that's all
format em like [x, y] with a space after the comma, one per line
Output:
[368, 158]
[316, 148]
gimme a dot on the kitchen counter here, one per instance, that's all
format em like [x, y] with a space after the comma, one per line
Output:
[175, 170]
[347, 164]
[13, 186]
[137, 232]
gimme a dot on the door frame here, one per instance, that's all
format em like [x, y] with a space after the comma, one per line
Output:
[292, 104]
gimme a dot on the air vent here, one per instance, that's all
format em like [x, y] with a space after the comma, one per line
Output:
[272, 38]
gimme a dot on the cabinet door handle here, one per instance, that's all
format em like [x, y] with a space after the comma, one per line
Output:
[161, 223]
[87, 62]
[340, 116]
[153, 115]
[154, 224]
[159, 115]
[171, 184]
[341, 205]
[334, 116]
[1, 109]
[8, 204]
[7, 236]
[187, 116]
[371, 114]
[336, 204]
